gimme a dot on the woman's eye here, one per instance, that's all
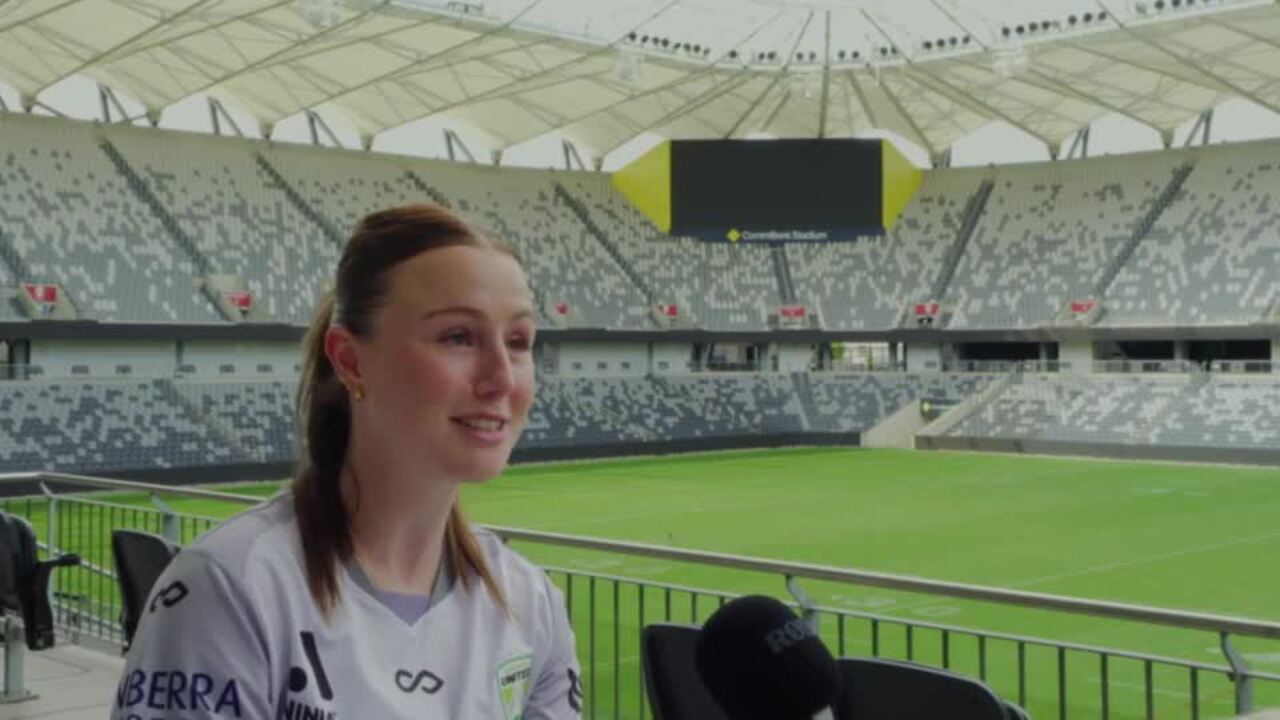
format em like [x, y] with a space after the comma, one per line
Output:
[518, 342]
[456, 338]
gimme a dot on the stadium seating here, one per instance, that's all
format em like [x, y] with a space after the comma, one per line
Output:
[102, 425]
[1166, 410]
[85, 424]
[70, 218]
[720, 286]
[1226, 411]
[95, 424]
[255, 418]
[565, 263]
[848, 402]
[237, 216]
[1213, 257]
[341, 185]
[1104, 409]
[130, 221]
[1047, 233]
[865, 285]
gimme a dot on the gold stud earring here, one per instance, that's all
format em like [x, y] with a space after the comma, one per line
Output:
[359, 393]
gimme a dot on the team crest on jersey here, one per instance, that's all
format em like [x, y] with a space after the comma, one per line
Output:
[514, 677]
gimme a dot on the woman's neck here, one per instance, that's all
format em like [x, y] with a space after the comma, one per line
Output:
[398, 521]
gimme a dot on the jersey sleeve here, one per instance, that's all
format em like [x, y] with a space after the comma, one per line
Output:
[200, 651]
[557, 690]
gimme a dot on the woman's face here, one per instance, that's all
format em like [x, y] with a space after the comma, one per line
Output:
[447, 371]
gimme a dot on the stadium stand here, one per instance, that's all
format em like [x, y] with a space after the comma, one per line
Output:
[1047, 234]
[343, 186]
[104, 425]
[237, 217]
[79, 424]
[254, 418]
[1213, 257]
[129, 223]
[844, 402]
[68, 217]
[565, 263]
[1196, 410]
[720, 287]
[1226, 411]
[865, 285]
[730, 404]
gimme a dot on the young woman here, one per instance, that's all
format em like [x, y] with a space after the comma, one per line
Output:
[363, 593]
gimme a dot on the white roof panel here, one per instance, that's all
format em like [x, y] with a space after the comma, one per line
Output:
[605, 71]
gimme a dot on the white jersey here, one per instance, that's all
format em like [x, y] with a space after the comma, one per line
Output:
[231, 631]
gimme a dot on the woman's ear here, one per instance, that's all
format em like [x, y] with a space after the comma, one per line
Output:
[340, 348]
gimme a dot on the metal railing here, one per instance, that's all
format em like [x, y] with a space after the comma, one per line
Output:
[1146, 366]
[1053, 678]
[1005, 366]
[1244, 366]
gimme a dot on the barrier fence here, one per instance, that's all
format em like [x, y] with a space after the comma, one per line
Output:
[1052, 678]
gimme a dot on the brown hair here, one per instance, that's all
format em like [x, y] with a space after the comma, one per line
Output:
[380, 242]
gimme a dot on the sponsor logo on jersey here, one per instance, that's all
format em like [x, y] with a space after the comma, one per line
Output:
[300, 680]
[168, 690]
[170, 596]
[575, 691]
[514, 678]
[424, 680]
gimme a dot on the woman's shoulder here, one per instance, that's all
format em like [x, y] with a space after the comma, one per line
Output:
[260, 534]
[513, 570]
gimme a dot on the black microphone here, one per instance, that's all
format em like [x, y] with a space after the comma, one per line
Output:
[761, 662]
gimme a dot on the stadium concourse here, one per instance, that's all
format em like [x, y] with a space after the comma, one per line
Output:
[157, 272]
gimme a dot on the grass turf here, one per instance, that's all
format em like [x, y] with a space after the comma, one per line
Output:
[1179, 536]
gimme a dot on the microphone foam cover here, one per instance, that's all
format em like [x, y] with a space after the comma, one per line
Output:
[761, 661]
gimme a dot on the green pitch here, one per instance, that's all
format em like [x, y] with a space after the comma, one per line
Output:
[1179, 536]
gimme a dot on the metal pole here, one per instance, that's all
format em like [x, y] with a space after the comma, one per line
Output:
[1239, 675]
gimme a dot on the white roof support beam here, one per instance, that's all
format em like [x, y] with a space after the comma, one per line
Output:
[773, 114]
[736, 74]
[374, 37]
[148, 30]
[728, 85]
[432, 62]
[36, 16]
[917, 134]
[826, 77]
[946, 89]
[1163, 74]
[169, 42]
[673, 83]
[1220, 82]
[856, 87]
[506, 87]
[733, 130]
[251, 67]
[1048, 82]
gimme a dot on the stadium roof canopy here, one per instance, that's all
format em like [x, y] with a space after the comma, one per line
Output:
[606, 71]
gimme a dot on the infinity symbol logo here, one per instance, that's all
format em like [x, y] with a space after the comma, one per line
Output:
[429, 682]
[170, 596]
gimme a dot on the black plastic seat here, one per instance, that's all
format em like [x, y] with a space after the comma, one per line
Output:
[873, 688]
[667, 654]
[140, 559]
[880, 688]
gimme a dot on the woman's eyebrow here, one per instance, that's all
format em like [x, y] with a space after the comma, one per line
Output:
[522, 314]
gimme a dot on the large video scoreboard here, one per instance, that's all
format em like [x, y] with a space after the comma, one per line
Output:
[771, 190]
